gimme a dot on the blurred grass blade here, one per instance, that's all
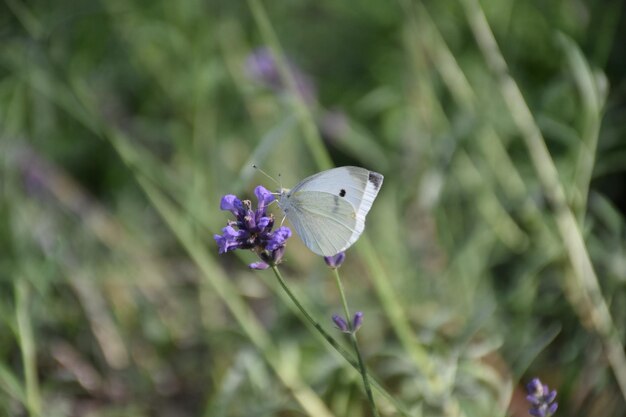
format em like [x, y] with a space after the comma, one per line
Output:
[27, 347]
[11, 384]
[592, 99]
[533, 349]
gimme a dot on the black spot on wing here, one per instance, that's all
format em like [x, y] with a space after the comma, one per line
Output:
[376, 179]
[342, 193]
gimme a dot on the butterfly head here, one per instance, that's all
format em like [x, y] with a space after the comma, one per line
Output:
[282, 195]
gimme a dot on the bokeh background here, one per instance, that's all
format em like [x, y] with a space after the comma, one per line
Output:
[494, 253]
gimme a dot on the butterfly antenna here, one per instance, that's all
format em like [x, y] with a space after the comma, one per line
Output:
[267, 175]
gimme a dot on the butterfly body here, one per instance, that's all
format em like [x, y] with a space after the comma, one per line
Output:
[328, 209]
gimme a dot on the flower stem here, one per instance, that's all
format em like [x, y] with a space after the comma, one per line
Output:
[358, 365]
[355, 344]
[313, 322]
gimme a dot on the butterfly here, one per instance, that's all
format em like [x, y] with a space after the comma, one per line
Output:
[328, 209]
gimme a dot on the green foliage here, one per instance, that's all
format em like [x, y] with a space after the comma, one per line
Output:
[123, 123]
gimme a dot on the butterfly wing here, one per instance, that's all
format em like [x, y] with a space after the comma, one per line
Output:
[326, 223]
[328, 209]
[358, 186]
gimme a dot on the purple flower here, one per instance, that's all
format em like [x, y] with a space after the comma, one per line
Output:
[252, 229]
[258, 266]
[264, 197]
[541, 399]
[262, 68]
[357, 321]
[343, 325]
[335, 261]
[278, 238]
[231, 203]
[229, 240]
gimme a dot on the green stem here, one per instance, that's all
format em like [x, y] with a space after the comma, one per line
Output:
[311, 320]
[355, 344]
[358, 365]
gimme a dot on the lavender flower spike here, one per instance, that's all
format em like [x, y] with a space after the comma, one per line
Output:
[541, 399]
[252, 229]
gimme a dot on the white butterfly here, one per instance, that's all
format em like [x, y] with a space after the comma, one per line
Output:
[328, 209]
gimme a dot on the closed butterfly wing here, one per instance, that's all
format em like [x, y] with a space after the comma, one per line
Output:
[328, 209]
[326, 223]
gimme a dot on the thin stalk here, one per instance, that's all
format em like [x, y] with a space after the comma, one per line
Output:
[311, 320]
[358, 364]
[355, 344]
[27, 348]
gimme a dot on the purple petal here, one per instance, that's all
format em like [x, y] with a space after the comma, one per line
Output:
[335, 261]
[532, 399]
[550, 397]
[534, 387]
[341, 323]
[278, 238]
[552, 408]
[537, 413]
[357, 321]
[263, 222]
[231, 203]
[229, 240]
[264, 196]
[258, 266]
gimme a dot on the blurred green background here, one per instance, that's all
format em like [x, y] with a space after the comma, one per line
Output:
[495, 251]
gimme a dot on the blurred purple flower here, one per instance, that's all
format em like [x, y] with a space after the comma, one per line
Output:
[343, 325]
[262, 68]
[357, 321]
[541, 399]
[258, 266]
[252, 229]
[335, 261]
